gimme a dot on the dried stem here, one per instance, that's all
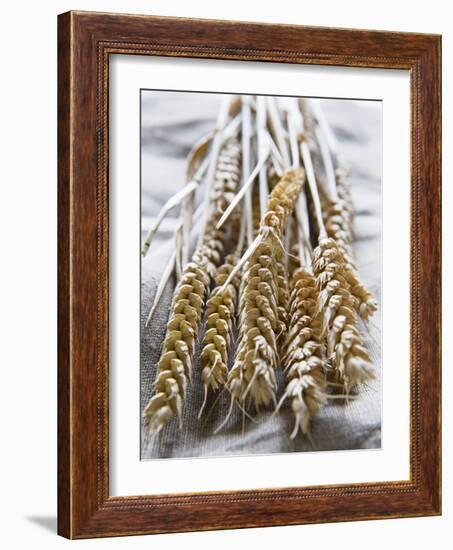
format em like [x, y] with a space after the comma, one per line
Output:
[244, 190]
[278, 130]
[246, 155]
[172, 202]
[215, 150]
[263, 147]
[325, 126]
[328, 163]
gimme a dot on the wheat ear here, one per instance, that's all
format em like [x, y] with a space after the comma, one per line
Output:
[256, 358]
[338, 306]
[336, 301]
[303, 357]
[345, 345]
[339, 211]
[175, 364]
[338, 218]
[350, 358]
[217, 341]
[366, 302]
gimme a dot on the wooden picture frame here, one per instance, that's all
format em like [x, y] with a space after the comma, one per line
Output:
[85, 42]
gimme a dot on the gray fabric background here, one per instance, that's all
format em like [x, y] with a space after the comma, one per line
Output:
[171, 123]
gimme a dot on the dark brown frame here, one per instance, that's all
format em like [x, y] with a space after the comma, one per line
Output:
[85, 42]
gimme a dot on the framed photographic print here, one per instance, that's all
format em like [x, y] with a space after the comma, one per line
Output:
[249, 275]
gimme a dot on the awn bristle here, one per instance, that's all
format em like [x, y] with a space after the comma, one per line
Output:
[175, 364]
[262, 289]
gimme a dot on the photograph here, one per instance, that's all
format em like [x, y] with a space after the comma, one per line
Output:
[261, 270]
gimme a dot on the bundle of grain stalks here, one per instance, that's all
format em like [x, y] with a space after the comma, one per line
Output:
[266, 275]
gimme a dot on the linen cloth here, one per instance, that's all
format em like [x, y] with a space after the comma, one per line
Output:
[171, 123]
